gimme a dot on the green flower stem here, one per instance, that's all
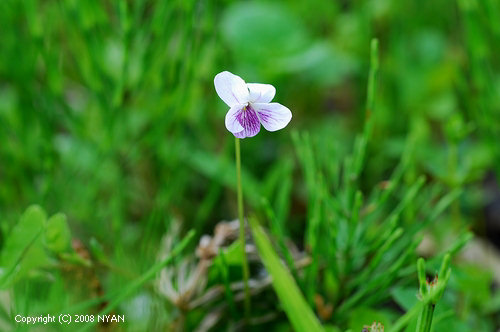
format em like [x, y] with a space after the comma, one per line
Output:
[242, 228]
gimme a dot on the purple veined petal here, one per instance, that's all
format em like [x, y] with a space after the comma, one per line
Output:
[261, 93]
[232, 123]
[231, 88]
[273, 116]
[242, 121]
[241, 134]
[249, 119]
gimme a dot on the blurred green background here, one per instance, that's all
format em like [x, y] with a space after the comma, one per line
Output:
[108, 114]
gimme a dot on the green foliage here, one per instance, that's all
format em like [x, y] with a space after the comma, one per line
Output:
[33, 243]
[108, 114]
[280, 44]
[24, 251]
[294, 304]
[139, 282]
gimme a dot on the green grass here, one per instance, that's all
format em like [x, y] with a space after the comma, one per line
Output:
[113, 151]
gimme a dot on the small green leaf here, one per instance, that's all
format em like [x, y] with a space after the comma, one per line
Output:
[232, 254]
[57, 234]
[24, 251]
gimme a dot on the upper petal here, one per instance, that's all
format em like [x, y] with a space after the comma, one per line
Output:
[273, 116]
[232, 123]
[261, 93]
[231, 88]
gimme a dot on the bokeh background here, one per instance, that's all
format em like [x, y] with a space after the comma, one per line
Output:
[108, 114]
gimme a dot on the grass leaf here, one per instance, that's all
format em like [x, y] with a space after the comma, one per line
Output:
[298, 312]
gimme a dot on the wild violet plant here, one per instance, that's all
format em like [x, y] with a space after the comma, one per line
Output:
[250, 106]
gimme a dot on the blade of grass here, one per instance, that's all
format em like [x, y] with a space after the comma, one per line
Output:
[298, 312]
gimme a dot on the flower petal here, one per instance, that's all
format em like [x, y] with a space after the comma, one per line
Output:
[231, 88]
[241, 134]
[261, 93]
[273, 116]
[232, 123]
[249, 119]
[242, 121]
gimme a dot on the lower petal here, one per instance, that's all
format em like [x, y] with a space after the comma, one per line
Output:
[249, 120]
[273, 116]
[241, 134]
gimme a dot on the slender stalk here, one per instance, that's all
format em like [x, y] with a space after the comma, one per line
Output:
[370, 90]
[424, 322]
[454, 183]
[242, 228]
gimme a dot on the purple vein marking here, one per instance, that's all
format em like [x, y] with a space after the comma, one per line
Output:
[264, 116]
[235, 97]
[249, 120]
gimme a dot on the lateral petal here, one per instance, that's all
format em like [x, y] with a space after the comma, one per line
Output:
[273, 116]
[232, 123]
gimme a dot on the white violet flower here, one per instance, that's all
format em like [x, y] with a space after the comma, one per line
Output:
[250, 106]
